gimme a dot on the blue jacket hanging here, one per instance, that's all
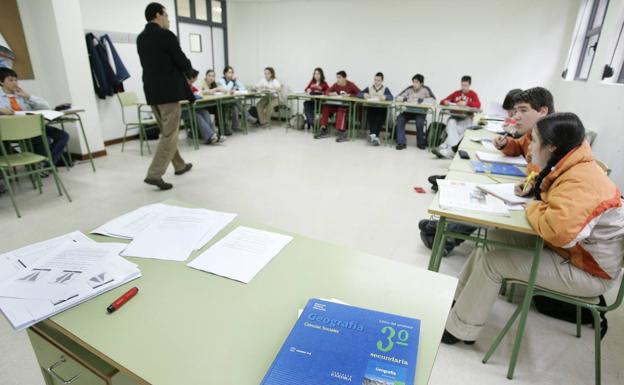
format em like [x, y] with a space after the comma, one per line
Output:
[105, 81]
[120, 70]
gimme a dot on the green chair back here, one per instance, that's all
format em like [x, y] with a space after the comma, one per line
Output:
[16, 128]
[127, 99]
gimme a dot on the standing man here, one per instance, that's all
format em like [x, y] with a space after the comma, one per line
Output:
[165, 70]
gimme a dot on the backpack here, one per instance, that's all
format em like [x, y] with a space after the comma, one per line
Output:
[298, 122]
[441, 135]
[567, 312]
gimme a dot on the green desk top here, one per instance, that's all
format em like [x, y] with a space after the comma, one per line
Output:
[190, 327]
[516, 222]
[468, 144]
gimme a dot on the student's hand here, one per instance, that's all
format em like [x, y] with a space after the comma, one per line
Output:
[520, 189]
[500, 142]
[461, 103]
[343, 93]
[444, 102]
[366, 96]
[22, 93]
[6, 111]
[308, 90]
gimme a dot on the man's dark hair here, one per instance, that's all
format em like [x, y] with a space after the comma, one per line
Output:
[6, 72]
[420, 78]
[466, 78]
[152, 10]
[510, 99]
[271, 71]
[226, 69]
[380, 75]
[342, 73]
[537, 97]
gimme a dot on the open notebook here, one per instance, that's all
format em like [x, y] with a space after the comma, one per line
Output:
[501, 158]
[504, 191]
[465, 196]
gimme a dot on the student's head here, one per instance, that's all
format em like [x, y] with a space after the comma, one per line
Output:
[318, 75]
[269, 73]
[157, 13]
[228, 72]
[210, 76]
[341, 78]
[510, 99]
[379, 78]
[530, 105]
[417, 81]
[466, 81]
[193, 78]
[554, 136]
[8, 80]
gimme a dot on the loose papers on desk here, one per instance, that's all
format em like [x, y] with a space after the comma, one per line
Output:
[501, 158]
[47, 114]
[466, 196]
[241, 254]
[505, 192]
[485, 142]
[495, 127]
[167, 232]
[60, 264]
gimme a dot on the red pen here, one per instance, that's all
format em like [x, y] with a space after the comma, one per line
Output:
[123, 299]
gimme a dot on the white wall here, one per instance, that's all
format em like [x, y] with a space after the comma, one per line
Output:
[600, 105]
[502, 44]
[108, 16]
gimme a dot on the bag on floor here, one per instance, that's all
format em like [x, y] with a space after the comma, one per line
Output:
[253, 111]
[298, 122]
[567, 312]
[440, 128]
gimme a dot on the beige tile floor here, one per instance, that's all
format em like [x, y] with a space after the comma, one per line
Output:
[349, 194]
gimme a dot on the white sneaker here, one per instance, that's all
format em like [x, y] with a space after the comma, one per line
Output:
[222, 139]
[371, 138]
[376, 141]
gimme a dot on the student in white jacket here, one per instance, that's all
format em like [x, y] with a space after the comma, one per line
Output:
[271, 86]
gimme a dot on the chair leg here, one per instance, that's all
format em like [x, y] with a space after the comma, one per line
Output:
[597, 346]
[59, 184]
[501, 335]
[10, 190]
[123, 141]
[141, 135]
[578, 321]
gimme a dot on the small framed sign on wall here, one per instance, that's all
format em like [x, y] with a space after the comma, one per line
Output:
[195, 42]
[13, 48]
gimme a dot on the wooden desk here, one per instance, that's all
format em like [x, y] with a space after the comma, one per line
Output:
[190, 327]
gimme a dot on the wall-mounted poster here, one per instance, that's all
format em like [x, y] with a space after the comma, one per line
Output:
[13, 48]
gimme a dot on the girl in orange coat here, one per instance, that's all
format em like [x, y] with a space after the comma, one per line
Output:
[577, 211]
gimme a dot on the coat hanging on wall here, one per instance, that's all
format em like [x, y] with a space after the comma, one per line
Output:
[105, 80]
[6, 54]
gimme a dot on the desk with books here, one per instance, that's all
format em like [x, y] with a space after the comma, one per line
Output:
[189, 327]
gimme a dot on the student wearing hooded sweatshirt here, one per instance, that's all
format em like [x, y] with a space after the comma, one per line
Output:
[418, 92]
[376, 115]
[579, 213]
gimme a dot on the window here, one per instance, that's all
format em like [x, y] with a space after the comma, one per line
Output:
[183, 8]
[217, 12]
[590, 41]
[201, 10]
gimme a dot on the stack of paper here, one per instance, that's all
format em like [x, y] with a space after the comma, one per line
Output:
[47, 114]
[167, 232]
[241, 254]
[52, 276]
[501, 158]
[465, 196]
[505, 192]
[495, 127]
[486, 142]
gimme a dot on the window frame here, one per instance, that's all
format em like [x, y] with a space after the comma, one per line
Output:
[207, 23]
[590, 33]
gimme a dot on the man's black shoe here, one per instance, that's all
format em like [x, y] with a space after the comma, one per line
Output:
[187, 167]
[161, 184]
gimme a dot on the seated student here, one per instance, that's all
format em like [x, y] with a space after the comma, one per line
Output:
[231, 84]
[14, 98]
[418, 92]
[317, 86]
[202, 116]
[577, 211]
[268, 102]
[529, 106]
[342, 87]
[210, 87]
[429, 227]
[376, 115]
[457, 124]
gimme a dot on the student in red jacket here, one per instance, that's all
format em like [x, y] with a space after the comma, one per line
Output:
[457, 124]
[342, 87]
[317, 86]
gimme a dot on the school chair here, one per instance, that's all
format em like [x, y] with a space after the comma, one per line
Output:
[129, 99]
[22, 129]
[591, 304]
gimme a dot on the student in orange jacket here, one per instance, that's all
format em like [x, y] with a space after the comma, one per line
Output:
[577, 211]
[529, 106]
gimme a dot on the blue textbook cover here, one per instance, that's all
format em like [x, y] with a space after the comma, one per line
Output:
[335, 344]
[496, 168]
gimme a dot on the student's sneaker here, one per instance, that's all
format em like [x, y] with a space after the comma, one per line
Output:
[421, 146]
[449, 339]
[324, 133]
[370, 138]
[221, 139]
[374, 140]
[433, 179]
[213, 139]
[443, 152]
[401, 146]
[342, 137]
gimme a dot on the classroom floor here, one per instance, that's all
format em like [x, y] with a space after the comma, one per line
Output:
[345, 193]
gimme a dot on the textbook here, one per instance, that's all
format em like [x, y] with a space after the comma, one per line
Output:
[462, 196]
[334, 344]
[496, 168]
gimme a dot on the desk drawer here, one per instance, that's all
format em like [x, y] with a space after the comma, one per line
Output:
[64, 366]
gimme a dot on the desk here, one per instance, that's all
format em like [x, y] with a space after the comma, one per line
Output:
[463, 165]
[468, 144]
[70, 116]
[342, 101]
[420, 108]
[387, 104]
[190, 327]
[297, 97]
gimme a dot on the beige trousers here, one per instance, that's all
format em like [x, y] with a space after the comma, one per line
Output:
[483, 273]
[265, 108]
[168, 117]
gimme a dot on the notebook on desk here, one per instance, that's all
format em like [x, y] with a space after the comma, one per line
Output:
[496, 168]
